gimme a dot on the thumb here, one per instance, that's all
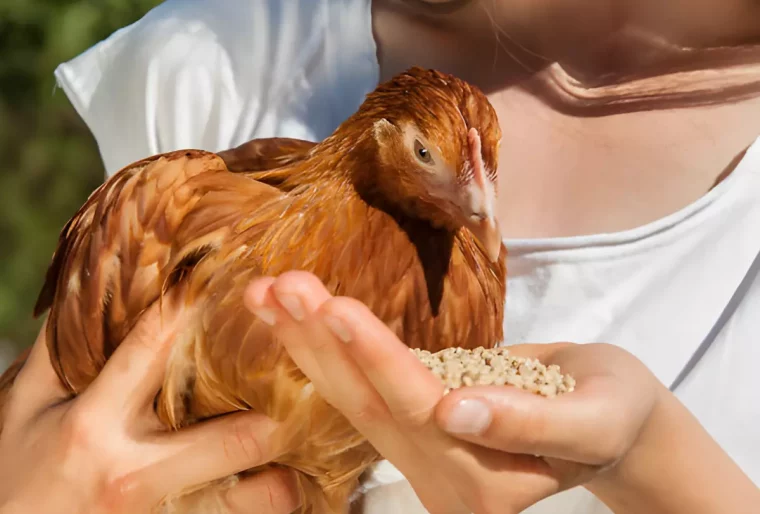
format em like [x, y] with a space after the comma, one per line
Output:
[586, 426]
[134, 373]
[30, 385]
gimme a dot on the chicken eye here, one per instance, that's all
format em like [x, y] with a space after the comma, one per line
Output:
[422, 153]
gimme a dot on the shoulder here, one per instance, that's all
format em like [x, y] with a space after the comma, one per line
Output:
[212, 75]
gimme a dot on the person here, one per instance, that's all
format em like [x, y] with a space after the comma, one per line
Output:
[630, 170]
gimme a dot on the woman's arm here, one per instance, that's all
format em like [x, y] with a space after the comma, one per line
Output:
[676, 466]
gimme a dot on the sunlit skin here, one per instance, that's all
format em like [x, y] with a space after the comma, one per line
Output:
[594, 172]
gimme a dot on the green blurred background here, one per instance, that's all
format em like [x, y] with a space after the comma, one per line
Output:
[49, 162]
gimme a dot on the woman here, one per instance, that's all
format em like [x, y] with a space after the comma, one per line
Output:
[628, 191]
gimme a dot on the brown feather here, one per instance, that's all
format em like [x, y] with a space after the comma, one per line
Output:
[183, 218]
[266, 154]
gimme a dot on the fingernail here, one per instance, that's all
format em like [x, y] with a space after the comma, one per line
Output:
[469, 416]
[292, 304]
[338, 328]
[267, 316]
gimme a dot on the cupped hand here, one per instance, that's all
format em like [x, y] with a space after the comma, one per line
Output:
[478, 449]
[105, 451]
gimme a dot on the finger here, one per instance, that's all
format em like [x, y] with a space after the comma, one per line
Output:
[413, 443]
[589, 425]
[36, 386]
[383, 358]
[134, 373]
[273, 491]
[205, 452]
[336, 377]
[298, 293]
[411, 393]
[294, 296]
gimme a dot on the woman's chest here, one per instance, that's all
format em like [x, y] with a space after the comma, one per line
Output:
[662, 302]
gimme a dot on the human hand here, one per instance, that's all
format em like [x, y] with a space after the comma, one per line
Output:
[105, 450]
[476, 449]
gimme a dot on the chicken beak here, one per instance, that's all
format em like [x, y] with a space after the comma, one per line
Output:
[480, 220]
[486, 231]
[479, 200]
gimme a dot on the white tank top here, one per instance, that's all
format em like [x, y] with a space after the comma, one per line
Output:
[682, 293]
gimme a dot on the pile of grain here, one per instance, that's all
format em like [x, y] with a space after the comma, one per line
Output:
[457, 368]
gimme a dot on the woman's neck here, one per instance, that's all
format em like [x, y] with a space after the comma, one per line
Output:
[566, 169]
[563, 175]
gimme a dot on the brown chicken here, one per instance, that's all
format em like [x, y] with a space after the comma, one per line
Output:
[396, 209]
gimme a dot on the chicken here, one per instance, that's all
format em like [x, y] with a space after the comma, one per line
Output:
[266, 154]
[395, 208]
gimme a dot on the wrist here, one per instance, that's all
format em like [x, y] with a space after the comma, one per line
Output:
[675, 466]
[626, 477]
